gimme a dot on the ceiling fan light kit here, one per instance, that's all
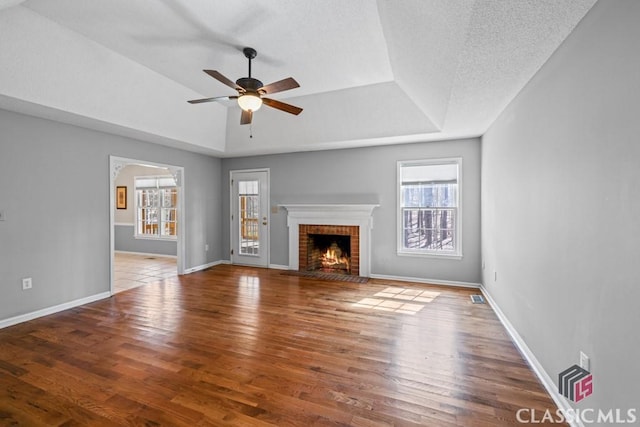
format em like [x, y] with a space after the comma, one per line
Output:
[250, 102]
[251, 92]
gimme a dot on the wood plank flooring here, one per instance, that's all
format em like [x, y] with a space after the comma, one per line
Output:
[253, 347]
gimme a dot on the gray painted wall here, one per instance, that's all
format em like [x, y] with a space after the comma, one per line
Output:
[561, 206]
[367, 175]
[124, 240]
[54, 190]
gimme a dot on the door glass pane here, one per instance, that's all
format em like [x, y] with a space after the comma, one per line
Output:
[249, 214]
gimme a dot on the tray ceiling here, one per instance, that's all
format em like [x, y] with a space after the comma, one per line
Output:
[371, 72]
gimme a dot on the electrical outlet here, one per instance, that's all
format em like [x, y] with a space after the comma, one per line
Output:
[206, 247]
[584, 361]
[27, 283]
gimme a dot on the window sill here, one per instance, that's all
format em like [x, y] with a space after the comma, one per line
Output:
[433, 255]
[166, 239]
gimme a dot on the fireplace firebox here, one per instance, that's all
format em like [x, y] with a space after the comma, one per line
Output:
[329, 248]
[329, 253]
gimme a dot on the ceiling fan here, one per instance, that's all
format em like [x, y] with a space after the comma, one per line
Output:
[251, 92]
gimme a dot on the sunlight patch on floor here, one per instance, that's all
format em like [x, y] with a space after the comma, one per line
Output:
[398, 300]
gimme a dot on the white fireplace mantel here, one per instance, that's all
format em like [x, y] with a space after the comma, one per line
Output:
[360, 215]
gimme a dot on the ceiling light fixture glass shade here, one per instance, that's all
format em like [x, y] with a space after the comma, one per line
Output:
[250, 102]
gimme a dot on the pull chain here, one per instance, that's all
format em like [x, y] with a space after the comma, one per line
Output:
[250, 130]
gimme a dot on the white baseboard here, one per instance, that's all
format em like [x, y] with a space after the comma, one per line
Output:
[145, 254]
[205, 266]
[278, 267]
[428, 281]
[526, 352]
[51, 310]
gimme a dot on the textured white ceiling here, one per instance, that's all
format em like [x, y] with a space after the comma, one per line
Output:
[371, 72]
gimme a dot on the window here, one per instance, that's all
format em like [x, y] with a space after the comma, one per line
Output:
[249, 201]
[429, 207]
[156, 207]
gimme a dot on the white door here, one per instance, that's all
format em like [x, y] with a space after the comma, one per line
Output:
[250, 217]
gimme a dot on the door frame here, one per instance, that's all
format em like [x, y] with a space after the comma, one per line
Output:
[268, 210]
[115, 166]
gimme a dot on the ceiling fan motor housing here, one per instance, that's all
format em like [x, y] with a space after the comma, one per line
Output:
[249, 84]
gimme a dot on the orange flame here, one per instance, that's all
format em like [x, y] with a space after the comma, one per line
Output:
[331, 258]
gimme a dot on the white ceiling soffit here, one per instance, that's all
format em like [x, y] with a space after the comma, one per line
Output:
[339, 117]
[370, 72]
[48, 65]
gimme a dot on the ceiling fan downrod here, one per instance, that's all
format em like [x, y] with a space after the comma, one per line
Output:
[249, 84]
[250, 53]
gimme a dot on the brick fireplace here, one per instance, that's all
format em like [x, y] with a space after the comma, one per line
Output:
[352, 220]
[308, 260]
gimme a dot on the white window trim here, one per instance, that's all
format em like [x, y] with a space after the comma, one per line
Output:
[423, 253]
[137, 235]
[147, 237]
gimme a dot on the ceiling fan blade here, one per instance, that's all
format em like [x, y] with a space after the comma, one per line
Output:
[280, 86]
[245, 118]
[282, 106]
[222, 79]
[215, 98]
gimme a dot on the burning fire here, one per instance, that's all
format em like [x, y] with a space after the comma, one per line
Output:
[334, 257]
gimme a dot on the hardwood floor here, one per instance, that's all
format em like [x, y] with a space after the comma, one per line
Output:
[253, 347]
